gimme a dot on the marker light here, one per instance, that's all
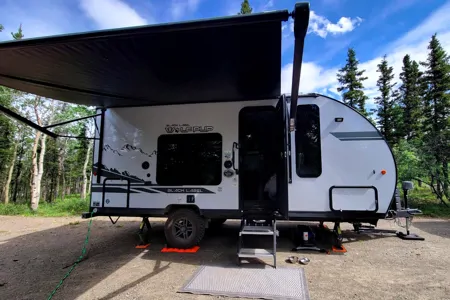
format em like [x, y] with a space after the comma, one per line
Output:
[383, 172]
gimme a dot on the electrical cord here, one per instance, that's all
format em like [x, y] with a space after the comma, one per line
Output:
[83, 253]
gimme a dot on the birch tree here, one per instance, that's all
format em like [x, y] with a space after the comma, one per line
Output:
[38, 161]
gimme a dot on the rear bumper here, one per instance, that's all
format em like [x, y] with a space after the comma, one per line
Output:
[86, 215]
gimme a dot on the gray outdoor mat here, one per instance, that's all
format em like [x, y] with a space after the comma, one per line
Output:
[248, 282]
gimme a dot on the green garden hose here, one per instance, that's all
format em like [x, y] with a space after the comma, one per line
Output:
[83, 253]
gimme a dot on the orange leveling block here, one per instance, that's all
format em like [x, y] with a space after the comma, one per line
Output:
[176, 250]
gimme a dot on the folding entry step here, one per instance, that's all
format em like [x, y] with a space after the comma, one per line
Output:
[254, 228]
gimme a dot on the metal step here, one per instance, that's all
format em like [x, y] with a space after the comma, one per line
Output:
[248, 228]
[255, 252]
[257, 230]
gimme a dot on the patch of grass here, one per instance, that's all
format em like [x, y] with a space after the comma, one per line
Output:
[70, 206]
[424, 199]
[74, 223]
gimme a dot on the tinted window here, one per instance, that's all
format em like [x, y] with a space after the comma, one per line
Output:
[307, 141]
[189, 159]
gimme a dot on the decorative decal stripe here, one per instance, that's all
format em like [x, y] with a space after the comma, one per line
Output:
[116, 175]
[145, 190]
[171, 190]
[132, 184]
[115, 190]
[175, 190]
[358, 136]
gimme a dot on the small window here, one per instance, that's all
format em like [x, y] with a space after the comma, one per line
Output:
[189, 159]
[307, 141]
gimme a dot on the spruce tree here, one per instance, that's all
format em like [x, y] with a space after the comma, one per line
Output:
[387, 110]
[410, 99]
[436, 101]
[245, 8]
[351, 83]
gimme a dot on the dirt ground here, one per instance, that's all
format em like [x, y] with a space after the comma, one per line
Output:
[35, 253]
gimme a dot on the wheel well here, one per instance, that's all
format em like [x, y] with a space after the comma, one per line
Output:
[173, 207]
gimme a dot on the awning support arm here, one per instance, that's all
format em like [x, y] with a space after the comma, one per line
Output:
[19, 118]
[77, 137]
[71, 121]
[301, 21]
[44, 129]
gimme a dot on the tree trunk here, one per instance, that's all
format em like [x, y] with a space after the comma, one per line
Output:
[445, 178]
[19, 168]
[63, 188]
[89, 184]
[85, 177]
[69, 185]
[41, 164]
[61, 150]
[34, 174]
[38, 165]
[52, 189]
[10, 173]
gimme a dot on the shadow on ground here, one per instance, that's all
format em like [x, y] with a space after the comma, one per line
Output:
[435, 227]
[31, 265]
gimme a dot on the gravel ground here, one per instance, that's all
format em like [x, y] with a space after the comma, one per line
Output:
[35, 254]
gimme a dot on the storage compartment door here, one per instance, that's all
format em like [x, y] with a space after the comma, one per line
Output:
[116, 193]
[354, 198]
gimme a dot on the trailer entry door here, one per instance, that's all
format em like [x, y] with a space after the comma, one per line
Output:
[282, 158]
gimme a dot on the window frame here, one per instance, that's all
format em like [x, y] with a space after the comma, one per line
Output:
[174, 136]
[319, 173]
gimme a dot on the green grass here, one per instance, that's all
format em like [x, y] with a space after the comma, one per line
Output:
[70, 206]
[424, 199]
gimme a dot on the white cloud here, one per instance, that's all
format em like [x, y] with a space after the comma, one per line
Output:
[313, 78]
[322, 26]
[111, 13]
[316, 78]
[38, 19]
[179, 8]
[267, 5]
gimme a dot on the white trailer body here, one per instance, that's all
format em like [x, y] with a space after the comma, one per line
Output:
[153, 161]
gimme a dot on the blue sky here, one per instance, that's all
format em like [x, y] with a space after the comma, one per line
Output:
[373, 28]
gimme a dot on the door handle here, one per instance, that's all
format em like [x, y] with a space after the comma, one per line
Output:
[233, 157]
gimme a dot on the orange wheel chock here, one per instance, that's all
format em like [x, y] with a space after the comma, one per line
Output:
[176, 250]
[341, 249]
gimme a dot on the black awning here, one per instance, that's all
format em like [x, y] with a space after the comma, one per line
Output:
[225, 59]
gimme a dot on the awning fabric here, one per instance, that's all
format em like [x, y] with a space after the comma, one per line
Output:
[224, 59]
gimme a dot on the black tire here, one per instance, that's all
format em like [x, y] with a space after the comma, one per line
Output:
[194, 229]
[217, 222]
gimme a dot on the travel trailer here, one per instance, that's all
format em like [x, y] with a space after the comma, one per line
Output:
[191, 125]
[212, 161]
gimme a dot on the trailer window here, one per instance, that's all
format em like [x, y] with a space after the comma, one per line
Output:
[307, 141]
[189, 159]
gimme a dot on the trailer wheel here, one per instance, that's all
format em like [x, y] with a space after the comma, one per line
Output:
[184, 228]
